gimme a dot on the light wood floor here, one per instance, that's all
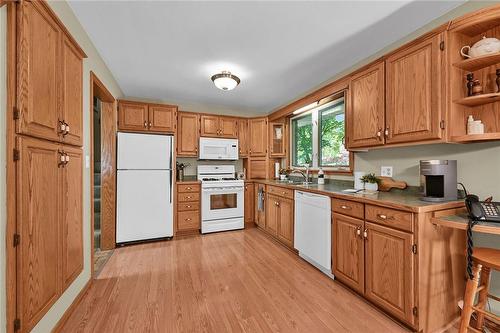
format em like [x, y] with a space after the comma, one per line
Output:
[239, 281]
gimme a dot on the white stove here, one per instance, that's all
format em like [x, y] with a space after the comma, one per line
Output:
[222, 198]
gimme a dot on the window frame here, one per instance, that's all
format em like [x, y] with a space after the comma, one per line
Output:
[316, 145]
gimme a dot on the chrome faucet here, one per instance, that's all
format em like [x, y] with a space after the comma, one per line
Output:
[303, 174]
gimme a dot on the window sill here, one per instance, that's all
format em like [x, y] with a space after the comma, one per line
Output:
[344, 172]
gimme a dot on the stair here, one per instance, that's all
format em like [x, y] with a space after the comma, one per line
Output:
[97, 205]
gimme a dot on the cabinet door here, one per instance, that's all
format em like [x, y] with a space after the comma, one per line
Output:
[72, 215]
[285, 221]
[228, 127]
[188, 134]
[258, 136]
[272, 214]
[132, 116]
[277, 139]
[38, 76]
[243, 137]
[348, 251]
[72, 107]
[39, 207]
[257, 168]
[366, 111]
[389, 270]
[260, 216]
[414, 93]
[249, 203]
[162, 118]
[209, 126]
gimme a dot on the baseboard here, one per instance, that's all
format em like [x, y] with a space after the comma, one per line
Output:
[72, 307]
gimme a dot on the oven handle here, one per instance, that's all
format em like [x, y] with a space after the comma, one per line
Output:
[223, 189]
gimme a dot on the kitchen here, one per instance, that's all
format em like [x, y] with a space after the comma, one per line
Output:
[241, 214]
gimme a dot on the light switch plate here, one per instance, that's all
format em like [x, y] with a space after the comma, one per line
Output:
[386, 171]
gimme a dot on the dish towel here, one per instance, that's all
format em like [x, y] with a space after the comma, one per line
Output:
[260, 203]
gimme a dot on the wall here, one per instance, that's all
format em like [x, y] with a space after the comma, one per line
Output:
[93, 63]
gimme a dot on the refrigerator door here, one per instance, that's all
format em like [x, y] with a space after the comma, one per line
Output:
[144, 151]
[144, 205]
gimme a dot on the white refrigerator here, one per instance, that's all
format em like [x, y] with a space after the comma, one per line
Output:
[144, 207]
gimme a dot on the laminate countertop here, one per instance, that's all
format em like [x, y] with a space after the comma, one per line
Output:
[408, 200]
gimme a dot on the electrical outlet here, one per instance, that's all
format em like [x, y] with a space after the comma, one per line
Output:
[386, 171]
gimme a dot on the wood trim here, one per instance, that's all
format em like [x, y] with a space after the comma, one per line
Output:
[11, 278]
[3, 2]
[72, 307]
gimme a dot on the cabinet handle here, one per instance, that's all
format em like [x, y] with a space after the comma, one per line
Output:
[365, 234]
[358, 231]
[67, 128]
[188, 188]
[62, 126]
[379, 134]
[188, 206]
[62, 159]
[386, 132]
[150, 124]
[384, 217]
[188, 219]
[145, 124]
[345, 207]
[188, 197]
[283, 192]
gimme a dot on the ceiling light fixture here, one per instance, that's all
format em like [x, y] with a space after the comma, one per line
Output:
[225, 80]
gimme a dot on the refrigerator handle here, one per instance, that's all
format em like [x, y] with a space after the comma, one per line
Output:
[171, 167]
[171, 185]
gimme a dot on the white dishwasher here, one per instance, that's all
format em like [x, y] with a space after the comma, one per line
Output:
[313, 230]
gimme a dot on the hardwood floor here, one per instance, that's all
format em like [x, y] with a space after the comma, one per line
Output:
[239, 281]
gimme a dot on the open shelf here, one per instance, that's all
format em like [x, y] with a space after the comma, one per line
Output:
[479, 99]
[476, 63]
[475, 137]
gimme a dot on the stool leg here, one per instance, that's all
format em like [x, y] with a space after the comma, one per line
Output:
[483, 295]
[470, 292]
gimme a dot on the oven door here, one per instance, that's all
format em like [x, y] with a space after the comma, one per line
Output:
[222, 203]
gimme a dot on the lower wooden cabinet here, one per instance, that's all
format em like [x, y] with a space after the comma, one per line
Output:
[272, 214]
[50, 217]
[188, 218]
[280, 218]
[249, 203]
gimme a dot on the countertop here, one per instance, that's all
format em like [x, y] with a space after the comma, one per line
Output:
[408, 199]
[188, 179]
[460, 221]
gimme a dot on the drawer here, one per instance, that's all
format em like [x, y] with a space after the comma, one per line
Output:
[389, 217]
[187, 206]
[188, 188]
[350, 208]
[184, 197]
[280, 191]
[189, 220]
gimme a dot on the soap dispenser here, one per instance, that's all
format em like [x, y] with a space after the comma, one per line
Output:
[321, 177]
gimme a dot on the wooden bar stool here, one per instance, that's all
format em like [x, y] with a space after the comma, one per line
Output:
[484, 259]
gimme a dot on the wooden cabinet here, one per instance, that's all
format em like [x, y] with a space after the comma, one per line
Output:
[188, 134]
[257, 168]
[286, 221]
[144, 117]
[50, 220]
[365, 114]
[277, 139]
[249, 202]
[260, 214]
[257, 136]
[243, 137]
[348, 251]
[162, 118]
[390, 270]
[217, 126]
[415, 92]
[272, 214]
[49, 77]
[188, 218]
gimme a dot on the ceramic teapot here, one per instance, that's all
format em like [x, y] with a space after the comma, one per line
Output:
[483, 47]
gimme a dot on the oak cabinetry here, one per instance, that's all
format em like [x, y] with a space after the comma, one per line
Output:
[188, 207]
[249, 202]
[257, 137]
[243, 137]
[280, 217]
[188, 134]
[217, 126]
[257, 168]
[277, 139]
[144, 117]
[366, 114]
[415, 98]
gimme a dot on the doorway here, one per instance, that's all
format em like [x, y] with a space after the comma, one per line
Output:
[103, 122]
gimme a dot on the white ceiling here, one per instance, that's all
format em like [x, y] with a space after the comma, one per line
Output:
[167, 51]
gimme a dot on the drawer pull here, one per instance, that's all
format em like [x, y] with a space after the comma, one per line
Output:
[188, 188]
[188, 206]
[188, 197]
[358, 231]
[365, 233]
[345, 207]
[283, 192]
[385, 217]
[188, 219]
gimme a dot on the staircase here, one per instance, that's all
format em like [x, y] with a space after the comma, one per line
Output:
[97, 205]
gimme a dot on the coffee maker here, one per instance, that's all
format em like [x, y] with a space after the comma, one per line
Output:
[438, 179]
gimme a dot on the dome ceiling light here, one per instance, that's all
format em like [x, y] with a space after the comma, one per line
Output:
[225, 80]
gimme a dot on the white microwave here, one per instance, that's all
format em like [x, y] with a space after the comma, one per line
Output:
[218, 149]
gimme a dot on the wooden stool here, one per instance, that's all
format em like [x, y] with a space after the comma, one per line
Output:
[484, 260]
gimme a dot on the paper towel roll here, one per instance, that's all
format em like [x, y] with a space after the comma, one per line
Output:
[277, 170]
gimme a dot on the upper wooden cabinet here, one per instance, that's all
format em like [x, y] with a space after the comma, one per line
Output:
[144, 117]
[277, 139]
[243, 137]
[366, 111]
[415, 98]
[49, 77]
[217, 126]
[257, 136]
[188, 134]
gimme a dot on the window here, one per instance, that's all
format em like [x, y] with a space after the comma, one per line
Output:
[317, 138]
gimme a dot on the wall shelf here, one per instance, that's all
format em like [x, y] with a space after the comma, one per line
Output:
[476, 63]
[479, 99]
[470, 138]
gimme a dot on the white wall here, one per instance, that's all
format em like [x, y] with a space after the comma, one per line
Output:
[92, 63]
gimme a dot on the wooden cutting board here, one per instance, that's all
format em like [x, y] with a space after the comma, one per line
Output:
[387, 183]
